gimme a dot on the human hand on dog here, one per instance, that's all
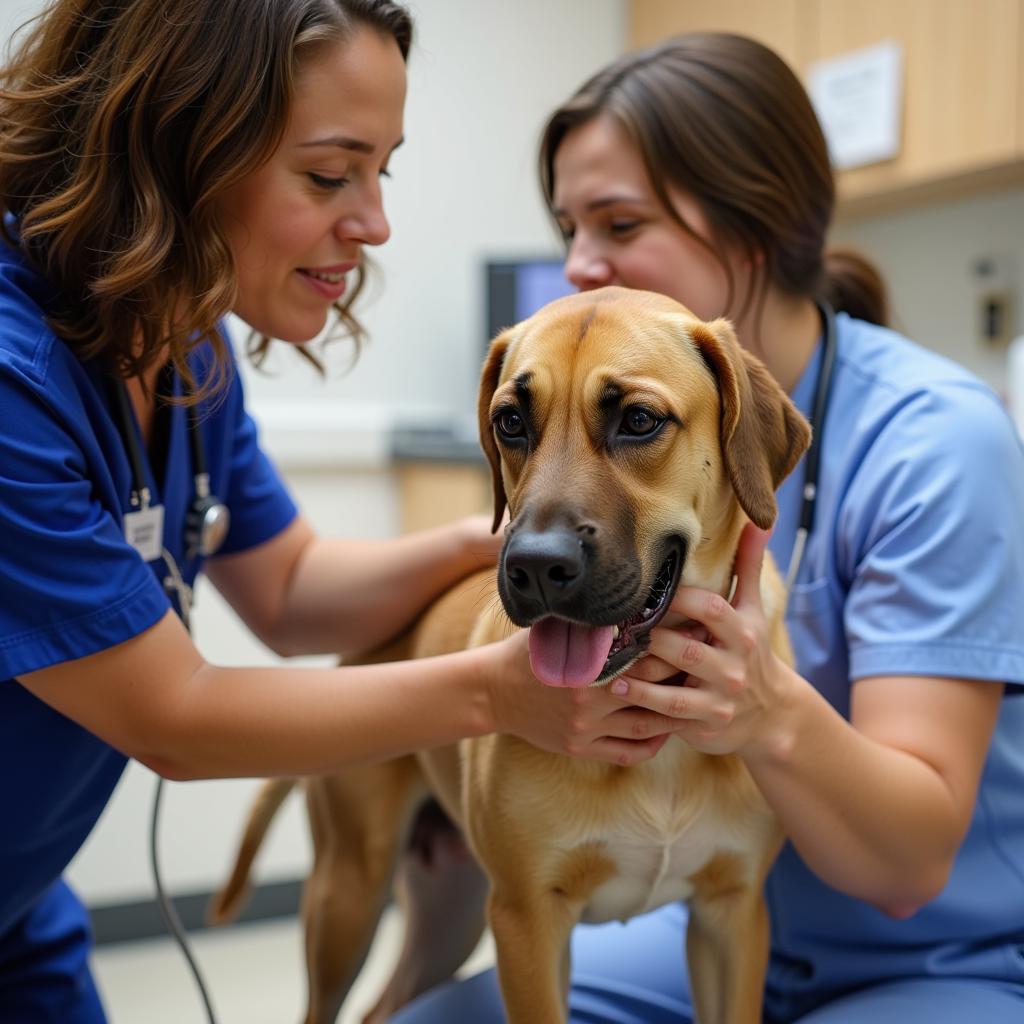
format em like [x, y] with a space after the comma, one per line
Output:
[483, 543]
[735, 682]
[584, 721]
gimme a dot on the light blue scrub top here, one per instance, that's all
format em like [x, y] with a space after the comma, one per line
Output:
[70, 585]
[915, 566]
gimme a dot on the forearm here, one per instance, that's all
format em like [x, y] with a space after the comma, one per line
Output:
[876, 822]
[235, 722]
[348, 597]
[156, 699]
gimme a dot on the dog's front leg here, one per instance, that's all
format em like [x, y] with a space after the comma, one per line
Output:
[531, 939]
[727, 953]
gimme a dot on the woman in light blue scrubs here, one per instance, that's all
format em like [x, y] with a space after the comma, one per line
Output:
[894, 754]
[162, 164]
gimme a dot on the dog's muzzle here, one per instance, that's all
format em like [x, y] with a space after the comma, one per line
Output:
[585, 626]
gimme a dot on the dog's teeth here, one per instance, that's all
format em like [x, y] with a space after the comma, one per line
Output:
[648, 612]
[615, 632]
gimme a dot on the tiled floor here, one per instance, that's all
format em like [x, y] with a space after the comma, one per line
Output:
[253, 972]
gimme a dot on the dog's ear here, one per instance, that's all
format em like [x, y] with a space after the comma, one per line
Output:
[762, 433]
[489, 378]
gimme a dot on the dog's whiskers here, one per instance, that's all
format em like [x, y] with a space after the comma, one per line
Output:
[485, 589]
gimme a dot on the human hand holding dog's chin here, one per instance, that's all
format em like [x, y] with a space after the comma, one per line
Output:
[734, 696]
[583, 721]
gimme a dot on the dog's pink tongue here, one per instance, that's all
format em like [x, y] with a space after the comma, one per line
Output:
[566, 654]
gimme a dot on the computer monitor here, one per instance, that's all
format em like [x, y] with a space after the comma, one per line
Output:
[517, 288]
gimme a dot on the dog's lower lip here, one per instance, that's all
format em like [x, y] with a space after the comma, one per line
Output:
[631, 632]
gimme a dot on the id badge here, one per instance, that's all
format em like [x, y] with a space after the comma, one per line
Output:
[144, 530]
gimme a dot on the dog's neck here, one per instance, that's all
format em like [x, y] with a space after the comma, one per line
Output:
[711, 564]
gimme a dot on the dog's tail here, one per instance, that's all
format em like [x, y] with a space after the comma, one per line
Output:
[225, 904]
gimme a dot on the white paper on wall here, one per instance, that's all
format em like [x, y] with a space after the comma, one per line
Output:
[858, 97]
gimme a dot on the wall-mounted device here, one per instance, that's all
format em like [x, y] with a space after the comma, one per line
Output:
[517, 288]
[994, 305]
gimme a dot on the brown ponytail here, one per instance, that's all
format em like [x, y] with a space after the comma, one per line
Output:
[854, 285]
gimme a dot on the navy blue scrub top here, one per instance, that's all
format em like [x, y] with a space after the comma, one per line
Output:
[71, 584]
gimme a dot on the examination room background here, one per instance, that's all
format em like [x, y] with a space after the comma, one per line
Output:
[483, 75]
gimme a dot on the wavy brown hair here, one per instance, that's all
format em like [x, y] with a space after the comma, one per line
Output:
[724, 119]
[121, 123]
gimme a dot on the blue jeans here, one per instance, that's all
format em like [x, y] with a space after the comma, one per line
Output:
[44, 964]
[636, 974]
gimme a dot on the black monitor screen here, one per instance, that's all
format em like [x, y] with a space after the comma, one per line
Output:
[516, 289]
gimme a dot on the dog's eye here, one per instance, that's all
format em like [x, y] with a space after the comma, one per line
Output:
[510, 425]
[639, 422]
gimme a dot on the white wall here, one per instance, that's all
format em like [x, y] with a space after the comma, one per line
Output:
[13, 13]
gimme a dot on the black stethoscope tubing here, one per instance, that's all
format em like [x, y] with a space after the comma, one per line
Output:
[812, 460]
[140, 491]
[126, 422]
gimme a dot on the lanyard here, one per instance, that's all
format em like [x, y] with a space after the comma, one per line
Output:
[208, 518]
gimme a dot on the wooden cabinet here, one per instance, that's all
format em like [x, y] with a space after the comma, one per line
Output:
[962, 110]
[432, 493]
[776, 23]
[963, 84]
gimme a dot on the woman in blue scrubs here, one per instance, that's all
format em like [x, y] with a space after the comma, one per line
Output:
[160, 166]
[894, 754]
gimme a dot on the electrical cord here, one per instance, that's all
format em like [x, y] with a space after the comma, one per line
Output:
[174, 582]
[170, 915]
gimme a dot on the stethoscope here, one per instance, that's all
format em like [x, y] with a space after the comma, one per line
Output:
[207, 520]
[812, 460]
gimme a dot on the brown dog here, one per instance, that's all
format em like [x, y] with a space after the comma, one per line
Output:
[631, 442]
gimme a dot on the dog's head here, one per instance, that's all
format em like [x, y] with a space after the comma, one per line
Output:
[630, 441]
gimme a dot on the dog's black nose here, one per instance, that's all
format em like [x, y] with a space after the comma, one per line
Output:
[544, 565]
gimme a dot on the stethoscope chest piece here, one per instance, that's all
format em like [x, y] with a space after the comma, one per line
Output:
[207, 523]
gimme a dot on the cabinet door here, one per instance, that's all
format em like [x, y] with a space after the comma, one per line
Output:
[434, 493]
[963, 83]
[776, 23]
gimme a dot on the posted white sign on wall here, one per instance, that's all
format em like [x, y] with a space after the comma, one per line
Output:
[858, 97]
